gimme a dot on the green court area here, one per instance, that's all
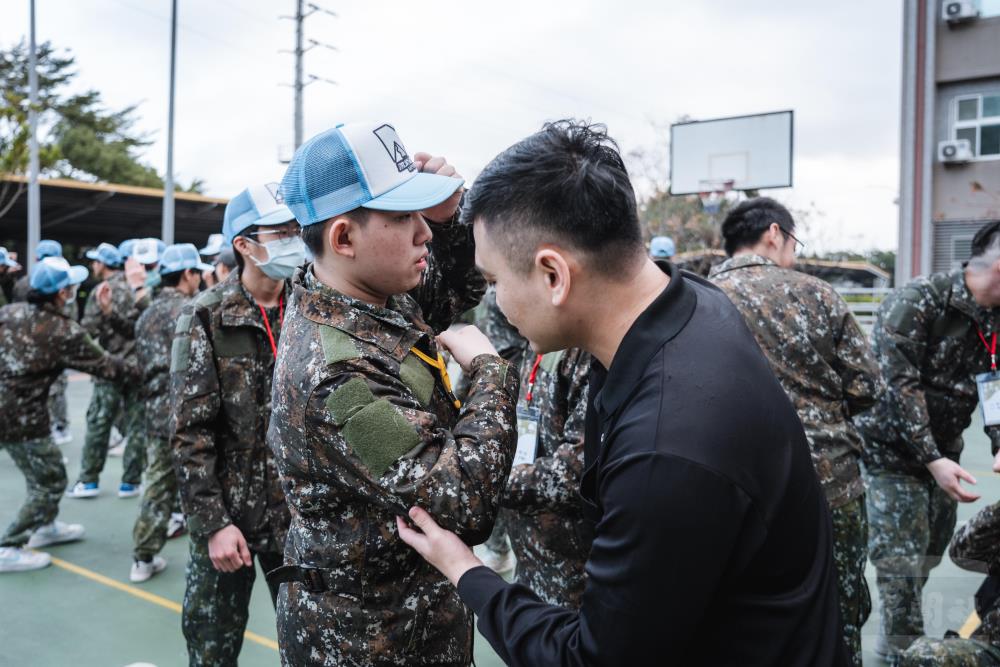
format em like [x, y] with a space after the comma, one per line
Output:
[83, 611]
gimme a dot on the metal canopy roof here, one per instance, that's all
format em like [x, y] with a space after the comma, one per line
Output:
[85, 214]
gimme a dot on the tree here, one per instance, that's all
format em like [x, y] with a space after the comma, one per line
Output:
[78, 137]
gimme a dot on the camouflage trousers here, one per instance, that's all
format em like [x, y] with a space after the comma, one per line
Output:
[217, 606]
[497, 542]
[927, 652]
[57, 403]
[912, 521]
[158, 499]
[105, 404]
[850, 554]
[40, 461]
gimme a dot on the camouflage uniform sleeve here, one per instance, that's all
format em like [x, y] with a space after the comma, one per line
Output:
[552, 483]
[855, 362]
[976, 546]
[125, 310]
[81, 352]
[92, 315]
[451, 283]
[901, 339]
[194, 394]
[372, 435]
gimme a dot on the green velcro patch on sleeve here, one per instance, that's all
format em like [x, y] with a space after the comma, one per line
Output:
[183, 324]
[235, 341]
[550, 361]
[180, 354]
[415, 375]
[337, 345]
[348, 399]
[208, 298]
[379, 435]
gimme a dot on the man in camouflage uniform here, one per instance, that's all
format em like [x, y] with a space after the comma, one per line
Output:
[37, 342]
[365, 424]
[931, 340]
[825, 365]
[222, 362]
[976, 547]
[180, 269]
[542, 507]
[57, 395]
[115, 331]
[8, 268]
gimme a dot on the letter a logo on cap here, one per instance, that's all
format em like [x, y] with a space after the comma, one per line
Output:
[387, 135]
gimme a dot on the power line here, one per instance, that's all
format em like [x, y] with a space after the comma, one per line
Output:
[300, 81]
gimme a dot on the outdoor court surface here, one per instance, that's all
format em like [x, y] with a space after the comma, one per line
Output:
[83, 611]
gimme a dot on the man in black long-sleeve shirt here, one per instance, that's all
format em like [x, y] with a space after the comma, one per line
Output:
[712, 537]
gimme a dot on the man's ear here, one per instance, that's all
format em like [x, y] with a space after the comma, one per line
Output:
[241, 244]
[556, 271]
[339, 236]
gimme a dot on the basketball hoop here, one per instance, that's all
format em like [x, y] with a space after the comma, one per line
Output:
[712, 192]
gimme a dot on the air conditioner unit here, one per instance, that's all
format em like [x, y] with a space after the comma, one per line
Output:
[955, 151]
[959, 11]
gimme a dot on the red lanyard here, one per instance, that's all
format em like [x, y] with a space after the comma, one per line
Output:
[991, 348]
[267, 323]
[531, 378]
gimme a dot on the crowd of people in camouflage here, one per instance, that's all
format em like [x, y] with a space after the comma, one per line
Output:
[289, 401]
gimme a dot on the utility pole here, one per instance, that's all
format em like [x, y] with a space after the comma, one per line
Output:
[300, 83]
[34, 195]
[167, 228]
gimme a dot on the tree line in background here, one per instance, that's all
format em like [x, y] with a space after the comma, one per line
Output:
[78, 137]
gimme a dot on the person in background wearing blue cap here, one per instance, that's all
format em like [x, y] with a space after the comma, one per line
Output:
[222, 363]
[37, 342]
[181, 269]
[8, 268]
[212, 250]
[114, 329]
[661, 247]
[364, 421]
[57, 396]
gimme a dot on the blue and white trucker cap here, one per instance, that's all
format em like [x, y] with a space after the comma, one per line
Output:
[216, 242]
[257, 205]
[146, 251]
[125, 248]
[662, 247]
[182, 256]
[53, 273]
[48, 248]
[5, 259]
[106, 254]
[358, 164]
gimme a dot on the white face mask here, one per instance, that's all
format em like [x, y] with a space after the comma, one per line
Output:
[283, 257]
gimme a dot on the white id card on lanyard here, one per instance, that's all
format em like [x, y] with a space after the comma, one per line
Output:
[527, 434]
[989, 396]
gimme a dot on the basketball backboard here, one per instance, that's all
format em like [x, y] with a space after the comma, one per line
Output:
[738, 153]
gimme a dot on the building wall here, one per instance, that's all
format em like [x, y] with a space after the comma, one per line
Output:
[968, 50]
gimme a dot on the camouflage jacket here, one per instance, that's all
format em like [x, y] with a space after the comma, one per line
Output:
[926, 340]
[154, 333]
[220, 384]
[976, 547]
[505, 337]
[818, 353]
[20, 294]
[36, 344]
[545, 522]
[116, 330]
[363, 429]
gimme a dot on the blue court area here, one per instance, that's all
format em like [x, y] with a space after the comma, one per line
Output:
[83, 611]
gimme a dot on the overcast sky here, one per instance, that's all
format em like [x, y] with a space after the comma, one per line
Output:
[467, 79]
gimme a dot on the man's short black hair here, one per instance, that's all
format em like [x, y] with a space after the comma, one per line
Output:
[312, 235]
[40, 298]
[747, 222]
[567, 184]
[173, 278]
[987, 237]
[237, 255]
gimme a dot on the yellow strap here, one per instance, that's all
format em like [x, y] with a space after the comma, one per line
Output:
[442, 368]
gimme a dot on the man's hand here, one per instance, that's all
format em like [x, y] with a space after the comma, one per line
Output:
[429, 164]
[466, 344]
[228, 550]
[949, 476]
[135, 274]
[439, 547]
[102, 293]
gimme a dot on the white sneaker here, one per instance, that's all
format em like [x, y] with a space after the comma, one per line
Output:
[498, 562]
[61, 436]
[84, 490]
[16, 559]
[176, 526]
[126, 490]
[143, 571]
[56, 532]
